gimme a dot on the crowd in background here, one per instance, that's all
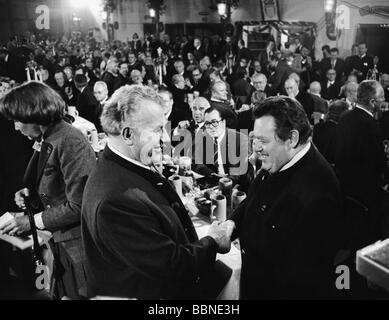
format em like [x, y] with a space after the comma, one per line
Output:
[193, 74]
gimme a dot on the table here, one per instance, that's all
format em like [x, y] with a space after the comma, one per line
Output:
[232, 259]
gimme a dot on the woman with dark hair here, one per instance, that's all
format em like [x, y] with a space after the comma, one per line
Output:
[54, 180]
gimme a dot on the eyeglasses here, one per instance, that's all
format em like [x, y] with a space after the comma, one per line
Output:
[213, 123]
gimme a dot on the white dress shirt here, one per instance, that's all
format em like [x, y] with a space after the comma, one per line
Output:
[219, 155]
[297, 157]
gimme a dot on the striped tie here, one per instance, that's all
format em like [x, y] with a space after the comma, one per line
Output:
[216, 153]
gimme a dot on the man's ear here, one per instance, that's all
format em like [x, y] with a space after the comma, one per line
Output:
[128, 134]
[294, 138]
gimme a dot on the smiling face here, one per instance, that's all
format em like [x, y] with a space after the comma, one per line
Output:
[272, 151]
[148, 133]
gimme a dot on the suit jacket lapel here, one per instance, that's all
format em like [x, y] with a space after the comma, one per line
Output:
[46, 150]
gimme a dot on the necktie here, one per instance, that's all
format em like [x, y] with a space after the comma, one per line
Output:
[216, 153]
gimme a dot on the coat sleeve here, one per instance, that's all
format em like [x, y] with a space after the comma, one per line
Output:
[76, 160]
[131, 230]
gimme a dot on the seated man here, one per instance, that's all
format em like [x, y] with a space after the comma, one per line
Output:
[220, 151]
[305, 99]
[185, 134]
[138, 237]
[219, 98]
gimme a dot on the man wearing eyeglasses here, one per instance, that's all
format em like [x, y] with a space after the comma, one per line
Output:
[220, 151]
[331, 87]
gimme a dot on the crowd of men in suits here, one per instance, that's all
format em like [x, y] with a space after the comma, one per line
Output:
[212, 93]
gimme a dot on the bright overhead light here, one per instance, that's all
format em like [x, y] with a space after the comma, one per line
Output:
[221, 9]
[152, 13]
[78, 3]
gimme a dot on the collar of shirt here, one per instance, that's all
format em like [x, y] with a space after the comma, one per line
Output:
[367, 111]
[121, 155]
[330, 83]
[199, 126]
[6, 58]
[297, 157]
[316, 94]
[104, 100]
[216, 100]
[363, 56]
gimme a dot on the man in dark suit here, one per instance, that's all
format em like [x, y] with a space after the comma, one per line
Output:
[324, 133]
[351, 61]
[184, 135]
[198, 50]
[330, 89]
[306, 100]
[13, 66]
[220, 151]
[285, 222]
[384, 80]
[110, 76]
[320, 105]
[360, 159]
[219, 98]
[86, 104]
[334, 62]
[100, 91]
[280, 74]
[363, 64]
[138, 237]
[199, 82]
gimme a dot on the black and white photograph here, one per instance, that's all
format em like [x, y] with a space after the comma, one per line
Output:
[188, 156]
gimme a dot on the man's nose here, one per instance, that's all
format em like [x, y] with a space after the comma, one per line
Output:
[165, 136]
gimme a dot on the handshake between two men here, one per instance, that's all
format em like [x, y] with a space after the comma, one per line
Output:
[221, 232]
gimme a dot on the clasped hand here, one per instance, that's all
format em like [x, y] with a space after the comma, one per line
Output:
[221, 232]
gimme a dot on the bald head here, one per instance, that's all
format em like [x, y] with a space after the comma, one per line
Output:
[350, 91]
[385, 80]
[259, 81]
[219, 90]
[100, 91]
[295, 77]
[291, 88]
[315, 88]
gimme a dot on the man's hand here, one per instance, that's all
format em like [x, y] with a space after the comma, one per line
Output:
[20, 198]
[16, 226]
[221, 234]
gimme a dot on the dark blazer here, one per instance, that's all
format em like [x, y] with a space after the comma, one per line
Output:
[15, 68]
[111, 81]
[234, 152]
[284, 227]
[138, 237]
[307, 102]
[277, 79]
[199, 53]
[87, 105]
[332, 92]
[64, 163]
[325, 65]
[319, 104]
[325, 139]
[360, 158]
[184, 139]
